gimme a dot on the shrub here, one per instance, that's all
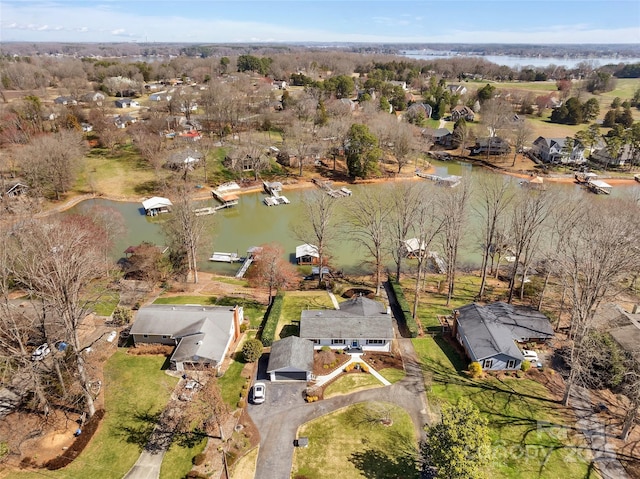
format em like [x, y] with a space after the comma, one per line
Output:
[475, 370]
[199, 459]
[243, 327]
[269, 329]
[364, 368]
[252, 350]
[325, 348]
[411, 324]
[122, 315]
[526, 365]
[519, 374]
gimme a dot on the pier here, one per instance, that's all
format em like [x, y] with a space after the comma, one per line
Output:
[273, 189]
[225, 257]
[599, 187]
[450, 181]
[327, 186]
[225, 194]
[251, 255]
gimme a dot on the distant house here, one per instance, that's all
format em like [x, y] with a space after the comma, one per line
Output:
[185, 159]
[489, 333]
[401, 84]
[307, 254]
[156, 205]
[360, 323]
[95, 97]
[86, 127]
[626, 155]
[291, 359]
[122, 121]
[622, 325]
[416, 108]
[201, 334]
[460, 111]
[457, 89]
[553, 150]
[160, 96]
[493, 145]
[126, 103]
[65, 100]
[279, 84]
[439, 136]
[16, 189]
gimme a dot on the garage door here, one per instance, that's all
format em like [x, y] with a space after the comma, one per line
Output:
[291, 376]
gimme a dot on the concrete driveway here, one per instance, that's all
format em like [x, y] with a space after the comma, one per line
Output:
[284, 411]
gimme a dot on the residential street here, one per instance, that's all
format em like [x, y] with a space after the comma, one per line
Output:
[278, 419]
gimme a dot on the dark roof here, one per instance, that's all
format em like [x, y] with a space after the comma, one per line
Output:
[357, 318]
[291, 352]
[493, 328]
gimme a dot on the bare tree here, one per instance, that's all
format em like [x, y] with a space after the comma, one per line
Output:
[521, 135]
[406, 199]
[319, 226]
[300, 137]
[453, 204]
[598, 250]
[184, 231]
[631, 389]
[59, 261]
[367, 226]
[530, 211]
[496, 114]
[271, 269]
[495, 195]
[50, 163]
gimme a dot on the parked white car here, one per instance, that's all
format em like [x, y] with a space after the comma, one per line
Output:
[530, 355]
[41, 352]
[259, 393]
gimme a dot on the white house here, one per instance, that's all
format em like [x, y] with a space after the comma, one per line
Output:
[360, 324]
[554, 150]
[155, 205]
[307, 254]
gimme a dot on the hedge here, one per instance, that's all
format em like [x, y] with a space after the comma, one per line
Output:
[270, 324]
[412, 326]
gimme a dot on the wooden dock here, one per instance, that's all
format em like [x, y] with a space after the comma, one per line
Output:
[225, 257]
[225, 194]
[599, 187]
[327, 186]
[450, 181]
[276, 200]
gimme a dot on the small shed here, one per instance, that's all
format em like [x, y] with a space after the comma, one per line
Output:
[307, 254]
[155, 205]
[291, 359]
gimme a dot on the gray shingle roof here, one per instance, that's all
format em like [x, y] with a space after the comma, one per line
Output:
[357, 318]
[291, 352]
[493, 328]
[202, 331]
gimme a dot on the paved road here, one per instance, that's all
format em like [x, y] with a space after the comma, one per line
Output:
[285, 410]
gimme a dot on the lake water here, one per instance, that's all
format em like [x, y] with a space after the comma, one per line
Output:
[252, 223]
[518, 61]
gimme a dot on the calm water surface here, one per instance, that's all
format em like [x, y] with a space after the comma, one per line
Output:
[252, 223]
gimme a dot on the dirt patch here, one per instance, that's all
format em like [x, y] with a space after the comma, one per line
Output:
[80, 442]
[331, 359]
[380, 361]
[367, 293]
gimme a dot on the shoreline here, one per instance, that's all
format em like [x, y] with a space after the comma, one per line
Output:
[304, 183]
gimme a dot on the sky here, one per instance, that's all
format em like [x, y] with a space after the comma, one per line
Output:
[388, 21]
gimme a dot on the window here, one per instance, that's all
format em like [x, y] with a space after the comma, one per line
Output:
[315, 341]
[164, 336]
[145, 335]
[375, 341]
[487, 364]
[337, 341]
[511, 364]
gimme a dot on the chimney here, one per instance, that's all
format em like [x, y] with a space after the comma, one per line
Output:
[236, 323]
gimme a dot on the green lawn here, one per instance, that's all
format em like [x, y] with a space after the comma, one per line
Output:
[532, 436]
[107, 303]
[351, 383]
[392, 375]
[253, 310]
[177, 461]
[353, 443]
[231, 384]
[293, 304]
[136, 390]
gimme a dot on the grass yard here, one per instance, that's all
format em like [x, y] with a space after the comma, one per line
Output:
[392, 375]
[353, 443]
[351, 383]
[245, 467]
[433, 304]
[253, 310]
[532, 436]
[538, 87]
[231, 384]
[107, 303]
[136, 390]
[177, 461]
[293, 304]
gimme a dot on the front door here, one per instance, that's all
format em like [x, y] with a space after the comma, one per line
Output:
[354, 343]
